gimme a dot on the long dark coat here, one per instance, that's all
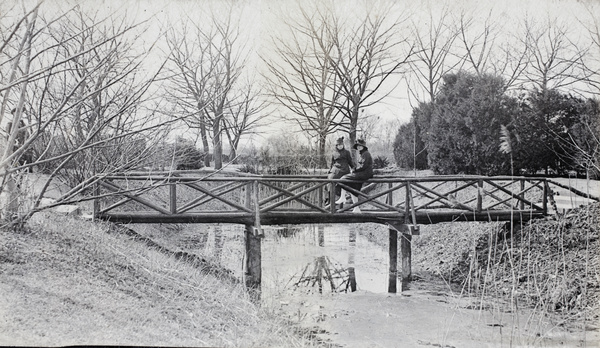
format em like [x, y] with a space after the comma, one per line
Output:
[363, 170]
[341, 162]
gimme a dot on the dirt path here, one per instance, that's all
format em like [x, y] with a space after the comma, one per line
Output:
[566, 199]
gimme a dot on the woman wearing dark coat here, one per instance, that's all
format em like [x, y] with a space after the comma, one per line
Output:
[341, 162]
[362, 172]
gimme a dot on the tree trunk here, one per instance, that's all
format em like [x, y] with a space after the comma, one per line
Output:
[204, 138]
[217, 146]
[321, 154]
[352, 132]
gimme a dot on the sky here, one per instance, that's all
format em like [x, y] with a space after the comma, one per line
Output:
[260, 20]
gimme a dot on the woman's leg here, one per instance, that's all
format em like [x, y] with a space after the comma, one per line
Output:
[342, 198]
[357, 187]
[355, 200]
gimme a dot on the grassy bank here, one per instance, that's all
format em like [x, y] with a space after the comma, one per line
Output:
[65, 281]
[551, 266]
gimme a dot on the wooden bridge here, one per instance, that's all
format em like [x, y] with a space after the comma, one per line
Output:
[402, 203]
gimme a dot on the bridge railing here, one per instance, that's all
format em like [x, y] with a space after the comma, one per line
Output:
[248, 198]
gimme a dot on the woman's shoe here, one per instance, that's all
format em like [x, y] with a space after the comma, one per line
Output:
[341, 200]
[356, 210]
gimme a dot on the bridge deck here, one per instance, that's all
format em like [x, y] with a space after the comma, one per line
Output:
[295, 217]
[256, 200]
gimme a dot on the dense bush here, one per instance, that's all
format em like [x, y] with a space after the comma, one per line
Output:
[187, 156]
[460, 132]
[550, 264]
[380, 162]
[248, 168]
[464, 133]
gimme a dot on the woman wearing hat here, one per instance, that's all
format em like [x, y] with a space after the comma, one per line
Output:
[362, 172]
[341, 162]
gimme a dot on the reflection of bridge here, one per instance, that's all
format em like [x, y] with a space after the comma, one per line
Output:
[399, 202]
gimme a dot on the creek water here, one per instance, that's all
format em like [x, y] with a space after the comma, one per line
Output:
[295, 258]
[322, 259]
[300, 257]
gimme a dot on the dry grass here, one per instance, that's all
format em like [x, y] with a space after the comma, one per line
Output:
[67, 281]
[548, 271]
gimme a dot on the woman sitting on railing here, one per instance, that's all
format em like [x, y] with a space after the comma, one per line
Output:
[362, 172]
[341, 163]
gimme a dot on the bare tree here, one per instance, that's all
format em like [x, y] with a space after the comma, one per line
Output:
[365, 55]
[189, 80]
[591, 62]
[73, 78]
[555, 61]
[207, 64]
[487, 49]
[433, 44]
[244, 115]
[477, 46]
[303, 81]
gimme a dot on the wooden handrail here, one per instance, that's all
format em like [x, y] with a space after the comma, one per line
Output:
[252, 197]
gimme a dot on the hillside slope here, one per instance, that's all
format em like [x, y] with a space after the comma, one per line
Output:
[71, 282]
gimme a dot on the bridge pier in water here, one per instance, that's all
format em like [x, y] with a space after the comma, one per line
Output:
[406, 232]
[253, 258]
[393, 251]
[253, 261]
[406, 254]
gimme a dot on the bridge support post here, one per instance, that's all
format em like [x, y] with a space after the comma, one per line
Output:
[405, 231]
[252, 266]
[406, 254]
[393, 250]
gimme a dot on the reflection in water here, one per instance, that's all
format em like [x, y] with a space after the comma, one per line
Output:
[322, 258]
[322, 270]
[351, 256]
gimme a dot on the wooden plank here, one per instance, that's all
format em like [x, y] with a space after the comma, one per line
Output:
[496, 188]
[112, 206]
[206, 198]
[370, 199]
[545, 201]
[280, 194]
[291, 217]
[295, 197]
[173, 198]
[309, 178]
[258, 228]
[216, 196]
[138, 191]
[96, 202]
[479, 196]
[498, 200]
[520, 197]
[522, 203]
[442, 196]
[415, 227]
[142, 201]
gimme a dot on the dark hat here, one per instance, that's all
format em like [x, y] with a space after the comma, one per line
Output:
[339, 141]
[360, 142]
